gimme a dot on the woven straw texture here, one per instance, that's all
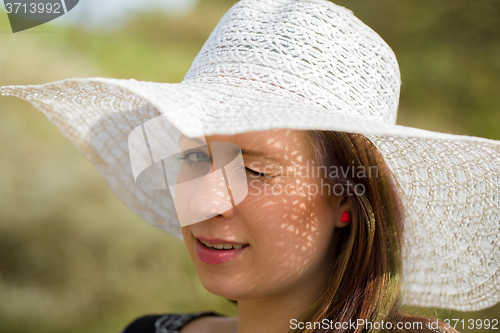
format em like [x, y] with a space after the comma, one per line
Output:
[305, 65]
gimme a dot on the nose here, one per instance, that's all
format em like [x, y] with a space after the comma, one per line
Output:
[212, 198]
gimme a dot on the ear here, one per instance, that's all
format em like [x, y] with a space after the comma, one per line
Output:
[343, 213]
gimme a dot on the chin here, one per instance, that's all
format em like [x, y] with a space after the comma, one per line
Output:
[227, 286]
[224, 290]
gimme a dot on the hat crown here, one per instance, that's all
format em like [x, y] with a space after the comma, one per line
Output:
[317, 51]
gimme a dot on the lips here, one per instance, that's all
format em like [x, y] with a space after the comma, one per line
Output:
[222, 246]
[217, 252]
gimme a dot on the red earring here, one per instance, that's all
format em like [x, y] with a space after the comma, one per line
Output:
[345, 218]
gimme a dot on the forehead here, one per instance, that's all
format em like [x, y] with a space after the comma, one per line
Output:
[286, 144]
[283, 139]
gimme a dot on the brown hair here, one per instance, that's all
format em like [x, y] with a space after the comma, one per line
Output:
[366, 268]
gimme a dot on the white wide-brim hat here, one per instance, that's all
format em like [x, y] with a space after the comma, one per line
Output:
[306, 64]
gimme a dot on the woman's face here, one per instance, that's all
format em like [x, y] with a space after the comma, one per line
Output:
[280, 232]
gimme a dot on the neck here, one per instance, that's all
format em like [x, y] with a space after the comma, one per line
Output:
[273, 314]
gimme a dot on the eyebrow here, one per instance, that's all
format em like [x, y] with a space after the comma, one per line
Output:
[197, 140]
[244, 151]
[260, 154]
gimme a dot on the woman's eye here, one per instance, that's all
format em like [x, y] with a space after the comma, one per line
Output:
[196, 157]
[256, 173]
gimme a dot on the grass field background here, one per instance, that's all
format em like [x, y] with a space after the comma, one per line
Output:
[73, 258]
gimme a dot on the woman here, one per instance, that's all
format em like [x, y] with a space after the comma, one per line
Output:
[308, 94]
[302, 249]
[290, 264]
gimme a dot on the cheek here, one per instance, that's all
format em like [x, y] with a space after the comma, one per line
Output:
[185, 233]
[292, 227]
[190, 242]
[182, 200]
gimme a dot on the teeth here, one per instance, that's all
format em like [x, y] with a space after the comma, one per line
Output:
[223, 246]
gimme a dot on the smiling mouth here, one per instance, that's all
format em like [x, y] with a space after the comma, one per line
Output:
[223, 246]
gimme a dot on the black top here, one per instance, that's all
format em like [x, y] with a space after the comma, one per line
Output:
[170, 323]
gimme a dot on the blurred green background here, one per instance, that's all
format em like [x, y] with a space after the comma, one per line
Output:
[74, 258]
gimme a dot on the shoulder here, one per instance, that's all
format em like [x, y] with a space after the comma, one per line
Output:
[167, 323]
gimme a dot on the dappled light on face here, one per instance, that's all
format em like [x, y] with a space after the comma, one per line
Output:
[285, 220]
[270, 203]
[212, 197]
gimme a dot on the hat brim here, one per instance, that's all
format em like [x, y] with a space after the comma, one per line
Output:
[450, 183]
